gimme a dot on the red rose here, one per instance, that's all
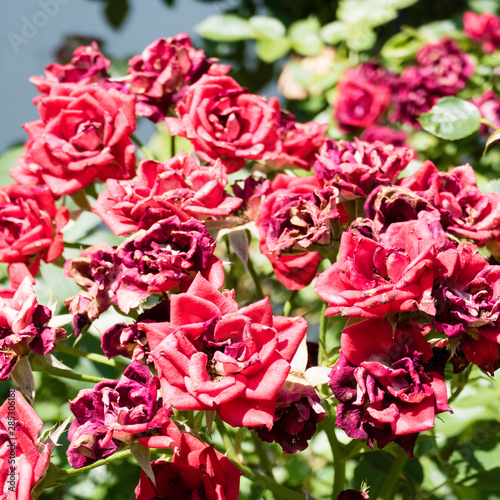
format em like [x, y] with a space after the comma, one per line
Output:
[19, 428]
[484, 28]
[213, 356]
[372, 278]
[30, 226]
[223, 120]
[178, 184]
[83, 134]
[359, 102]
[386, 391]
[197, 471]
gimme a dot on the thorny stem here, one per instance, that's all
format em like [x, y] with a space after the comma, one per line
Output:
[338, 457]
[58, 372]
[261, 452]
[255, 277]
[323, 323]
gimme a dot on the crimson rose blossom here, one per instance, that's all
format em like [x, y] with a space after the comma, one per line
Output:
[223, 120]
[356, 168]
[213, 356]
[23, 327]
[374, 277]
[386, 391]
[197, 471]
[83, 134]
[485, 28]
[359, 102]
[294, 271]
[87, 65]
[179, 184]
[30, 226]
[465, 210]
[159, 76]
[20, 435]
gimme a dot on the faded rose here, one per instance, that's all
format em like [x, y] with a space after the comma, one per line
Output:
[212, 355]
[386, 391]
[294, 271]
[197, 471]
[223, 120]
[373, 276]
[159, 76]
[83, 134]
[179, 184]
[467, 303]
[156, 260]
[32, 457]
[114, 413]
[356, 168]
[30, 226]
[23, 327]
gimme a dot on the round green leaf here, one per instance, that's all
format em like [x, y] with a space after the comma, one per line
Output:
[304, 35]
[225, 28]
[335, 32]
[452, 118]
[270, 50]
[268, 27]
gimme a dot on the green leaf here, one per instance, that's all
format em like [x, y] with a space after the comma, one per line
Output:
[304, 35]
[7, 161]
[452, 118]
[335, 32]
[361, 38]
[433, 32]
[271, 50]
[225, 28]
[400, 46]
[267, 27]
[116, 12]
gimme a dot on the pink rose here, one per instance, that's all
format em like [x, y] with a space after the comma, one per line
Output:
[375, 275]
[159, 76]
[19, 429]
[489, 105]
[30, 226]
[23, 327]
[196, 471]
[212, 355]
[83, 134]
[485, 28]
[87, 65]
[223, 120]
[359, 103]
[179, 185]
[386, 392]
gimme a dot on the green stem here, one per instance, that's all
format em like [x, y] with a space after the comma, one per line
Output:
[255, 277]
[147, 154]
[287, 308]
[98, 358]
[261, 452]
[58, 372]
[119, 455]
[279, 491]
[338, 458]
[489, 124]
[231, 452]
[172, 145]
[387, 490]
[78, 246]
[323, 323]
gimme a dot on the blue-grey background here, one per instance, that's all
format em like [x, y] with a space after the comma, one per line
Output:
[22, 57]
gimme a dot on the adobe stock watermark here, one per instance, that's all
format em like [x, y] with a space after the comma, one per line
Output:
[30, 26]
[11, 429]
